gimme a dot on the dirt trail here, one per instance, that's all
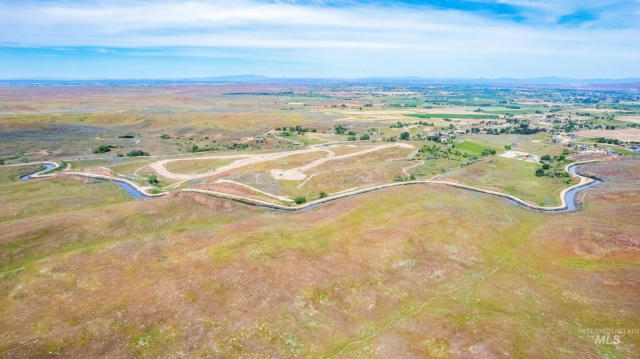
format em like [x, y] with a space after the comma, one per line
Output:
[247, 159]
[296, 174]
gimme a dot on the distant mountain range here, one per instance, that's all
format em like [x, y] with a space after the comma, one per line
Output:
[555, 82]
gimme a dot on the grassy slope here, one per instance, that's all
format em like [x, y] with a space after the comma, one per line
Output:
[409, 271]
[511, 176]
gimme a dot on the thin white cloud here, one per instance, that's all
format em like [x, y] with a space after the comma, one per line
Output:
[250, 24]
[318, 33]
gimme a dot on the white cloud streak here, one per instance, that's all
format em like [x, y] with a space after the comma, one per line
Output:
[387, 32]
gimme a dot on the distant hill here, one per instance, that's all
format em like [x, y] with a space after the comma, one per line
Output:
[625, 84]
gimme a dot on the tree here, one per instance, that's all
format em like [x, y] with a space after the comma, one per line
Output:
[136, 153]
[300, 199]
[546, 158]
[323, 194]
[539, 172]
[364, 137]
[340, 130]
[153, 179]
[103, 149]
[404, 136]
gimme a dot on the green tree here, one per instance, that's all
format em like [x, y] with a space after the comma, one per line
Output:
[103, 149]
[323, 194]
[404, 136]
[300, 199]
[137, 153]
[340, 130]
[153, 179]
[539, 172]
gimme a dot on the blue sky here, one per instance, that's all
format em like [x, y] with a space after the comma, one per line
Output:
[347, 39]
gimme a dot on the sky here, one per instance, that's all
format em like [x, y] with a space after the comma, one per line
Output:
[166, 39]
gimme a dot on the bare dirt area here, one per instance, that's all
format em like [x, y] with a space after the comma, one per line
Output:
[523, 156]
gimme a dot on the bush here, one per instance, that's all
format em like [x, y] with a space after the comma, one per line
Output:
[351, 133]
[126, 136]
[340, 129]
[546, 158]
[300, 199]
[103, 149]
[323, 194]
[404, 136]
[137, 153]
[546, 166]
[539, 172]
[153, 179]
[364, 137]
[351, 138]
[164, 136]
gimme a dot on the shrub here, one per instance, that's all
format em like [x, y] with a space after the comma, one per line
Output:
[539, 172]
[546, 158]
[351, 138]
[364, 137]
[153, 179]
[340, 129]
[546, 166]
[126, 136]
[103, 148]
[137, 153]
[300, 199]
[404, 136]
[323, 194]
[164, 136]
[351, 133]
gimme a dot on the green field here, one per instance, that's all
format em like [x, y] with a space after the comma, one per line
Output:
[476, 148]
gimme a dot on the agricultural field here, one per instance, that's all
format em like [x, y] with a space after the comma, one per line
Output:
[318, 221]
